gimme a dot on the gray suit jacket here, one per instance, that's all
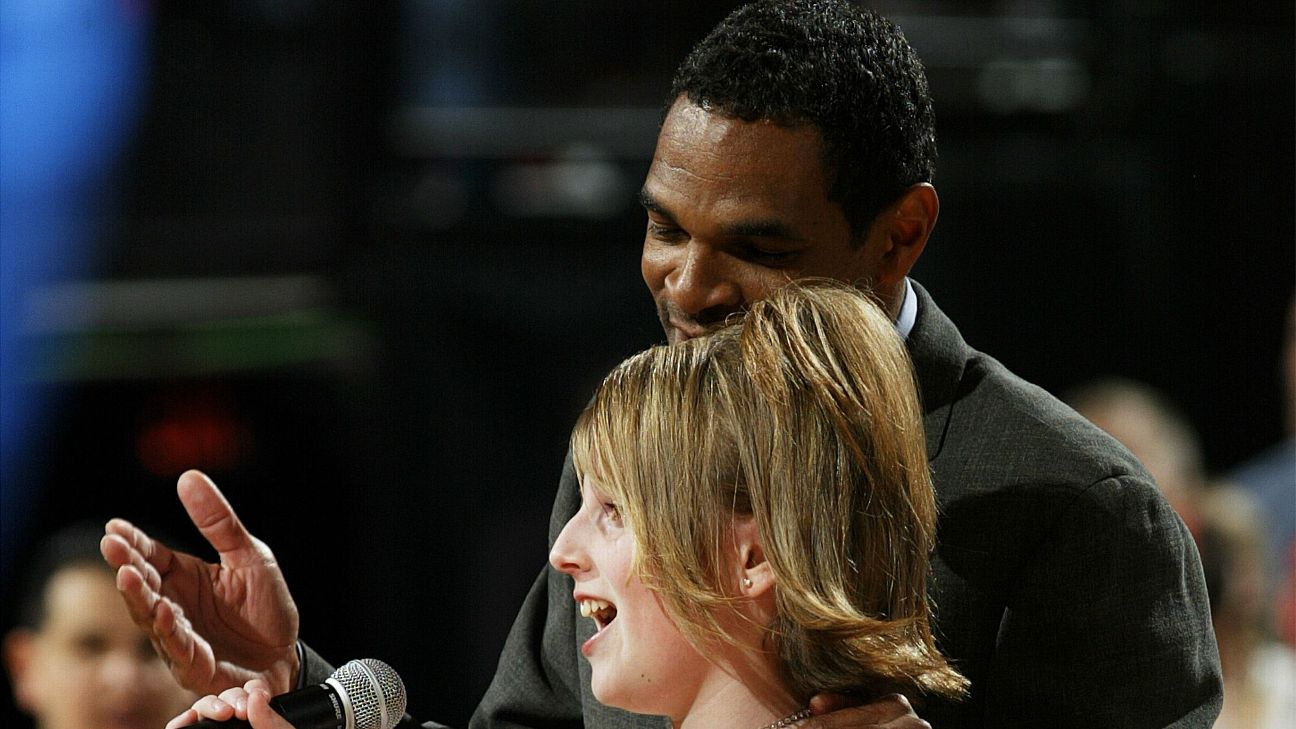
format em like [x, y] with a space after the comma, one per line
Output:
[1064, 586]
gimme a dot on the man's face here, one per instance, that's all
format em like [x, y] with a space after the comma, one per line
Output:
[89, 667]
[735, 210]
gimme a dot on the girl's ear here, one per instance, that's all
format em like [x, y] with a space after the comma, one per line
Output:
[754, 574]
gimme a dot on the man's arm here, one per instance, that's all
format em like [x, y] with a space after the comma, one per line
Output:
[537, 680]
[1108, 622]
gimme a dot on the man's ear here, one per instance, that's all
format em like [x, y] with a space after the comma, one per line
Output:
[19, 657]
[902, 230]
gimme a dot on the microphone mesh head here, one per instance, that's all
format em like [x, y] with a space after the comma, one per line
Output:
[376, 693]
[390, 687]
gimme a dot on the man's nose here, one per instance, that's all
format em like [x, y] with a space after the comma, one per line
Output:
[703, 282]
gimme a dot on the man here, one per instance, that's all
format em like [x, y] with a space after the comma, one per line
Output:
[800, 143]
[75, 659]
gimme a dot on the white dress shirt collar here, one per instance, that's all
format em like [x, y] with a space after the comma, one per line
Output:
[908, 311]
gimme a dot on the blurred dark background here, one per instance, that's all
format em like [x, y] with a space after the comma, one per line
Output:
[364, 262]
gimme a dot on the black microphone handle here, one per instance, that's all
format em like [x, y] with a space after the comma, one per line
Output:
[314, 707]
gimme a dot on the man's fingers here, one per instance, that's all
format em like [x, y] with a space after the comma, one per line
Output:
[140, 598]
[826, 703]
[168, 628]
[118, 553]
[215, 518]
[116, 550]
[174, 638]
[124, 543]
[888, 712]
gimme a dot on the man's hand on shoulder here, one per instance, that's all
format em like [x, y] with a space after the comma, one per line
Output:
[831, 711]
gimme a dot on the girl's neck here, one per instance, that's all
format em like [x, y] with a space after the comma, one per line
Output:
[749, 699]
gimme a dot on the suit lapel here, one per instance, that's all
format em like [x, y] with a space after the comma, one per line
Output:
[939, 356]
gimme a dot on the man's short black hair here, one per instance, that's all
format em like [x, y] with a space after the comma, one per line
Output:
[846, 70]
[74, 546]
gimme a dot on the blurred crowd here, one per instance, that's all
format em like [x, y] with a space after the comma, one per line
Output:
[1244, 522]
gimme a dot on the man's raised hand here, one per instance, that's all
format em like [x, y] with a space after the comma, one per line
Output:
[215, 625]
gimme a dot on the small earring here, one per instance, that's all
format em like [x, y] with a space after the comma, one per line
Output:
[747, 583]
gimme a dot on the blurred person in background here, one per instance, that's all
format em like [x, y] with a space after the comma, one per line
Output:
[1270, 477]
[1154, 430]
[75, 658]
[1259, 671]
[1231, 534]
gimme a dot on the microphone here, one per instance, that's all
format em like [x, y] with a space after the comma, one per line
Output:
[363, 694]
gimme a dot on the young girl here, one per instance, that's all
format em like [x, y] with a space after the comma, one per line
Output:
[755, 523]
[756, 519]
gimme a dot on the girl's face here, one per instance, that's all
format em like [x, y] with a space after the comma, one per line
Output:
[640, 660]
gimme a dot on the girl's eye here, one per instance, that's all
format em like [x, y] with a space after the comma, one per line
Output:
[611, 511]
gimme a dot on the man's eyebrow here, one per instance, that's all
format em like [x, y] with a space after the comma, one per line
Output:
[758, 228]
[651, 205]
[767, 228]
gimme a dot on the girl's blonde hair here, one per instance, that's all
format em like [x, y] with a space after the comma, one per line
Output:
[803, 414]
